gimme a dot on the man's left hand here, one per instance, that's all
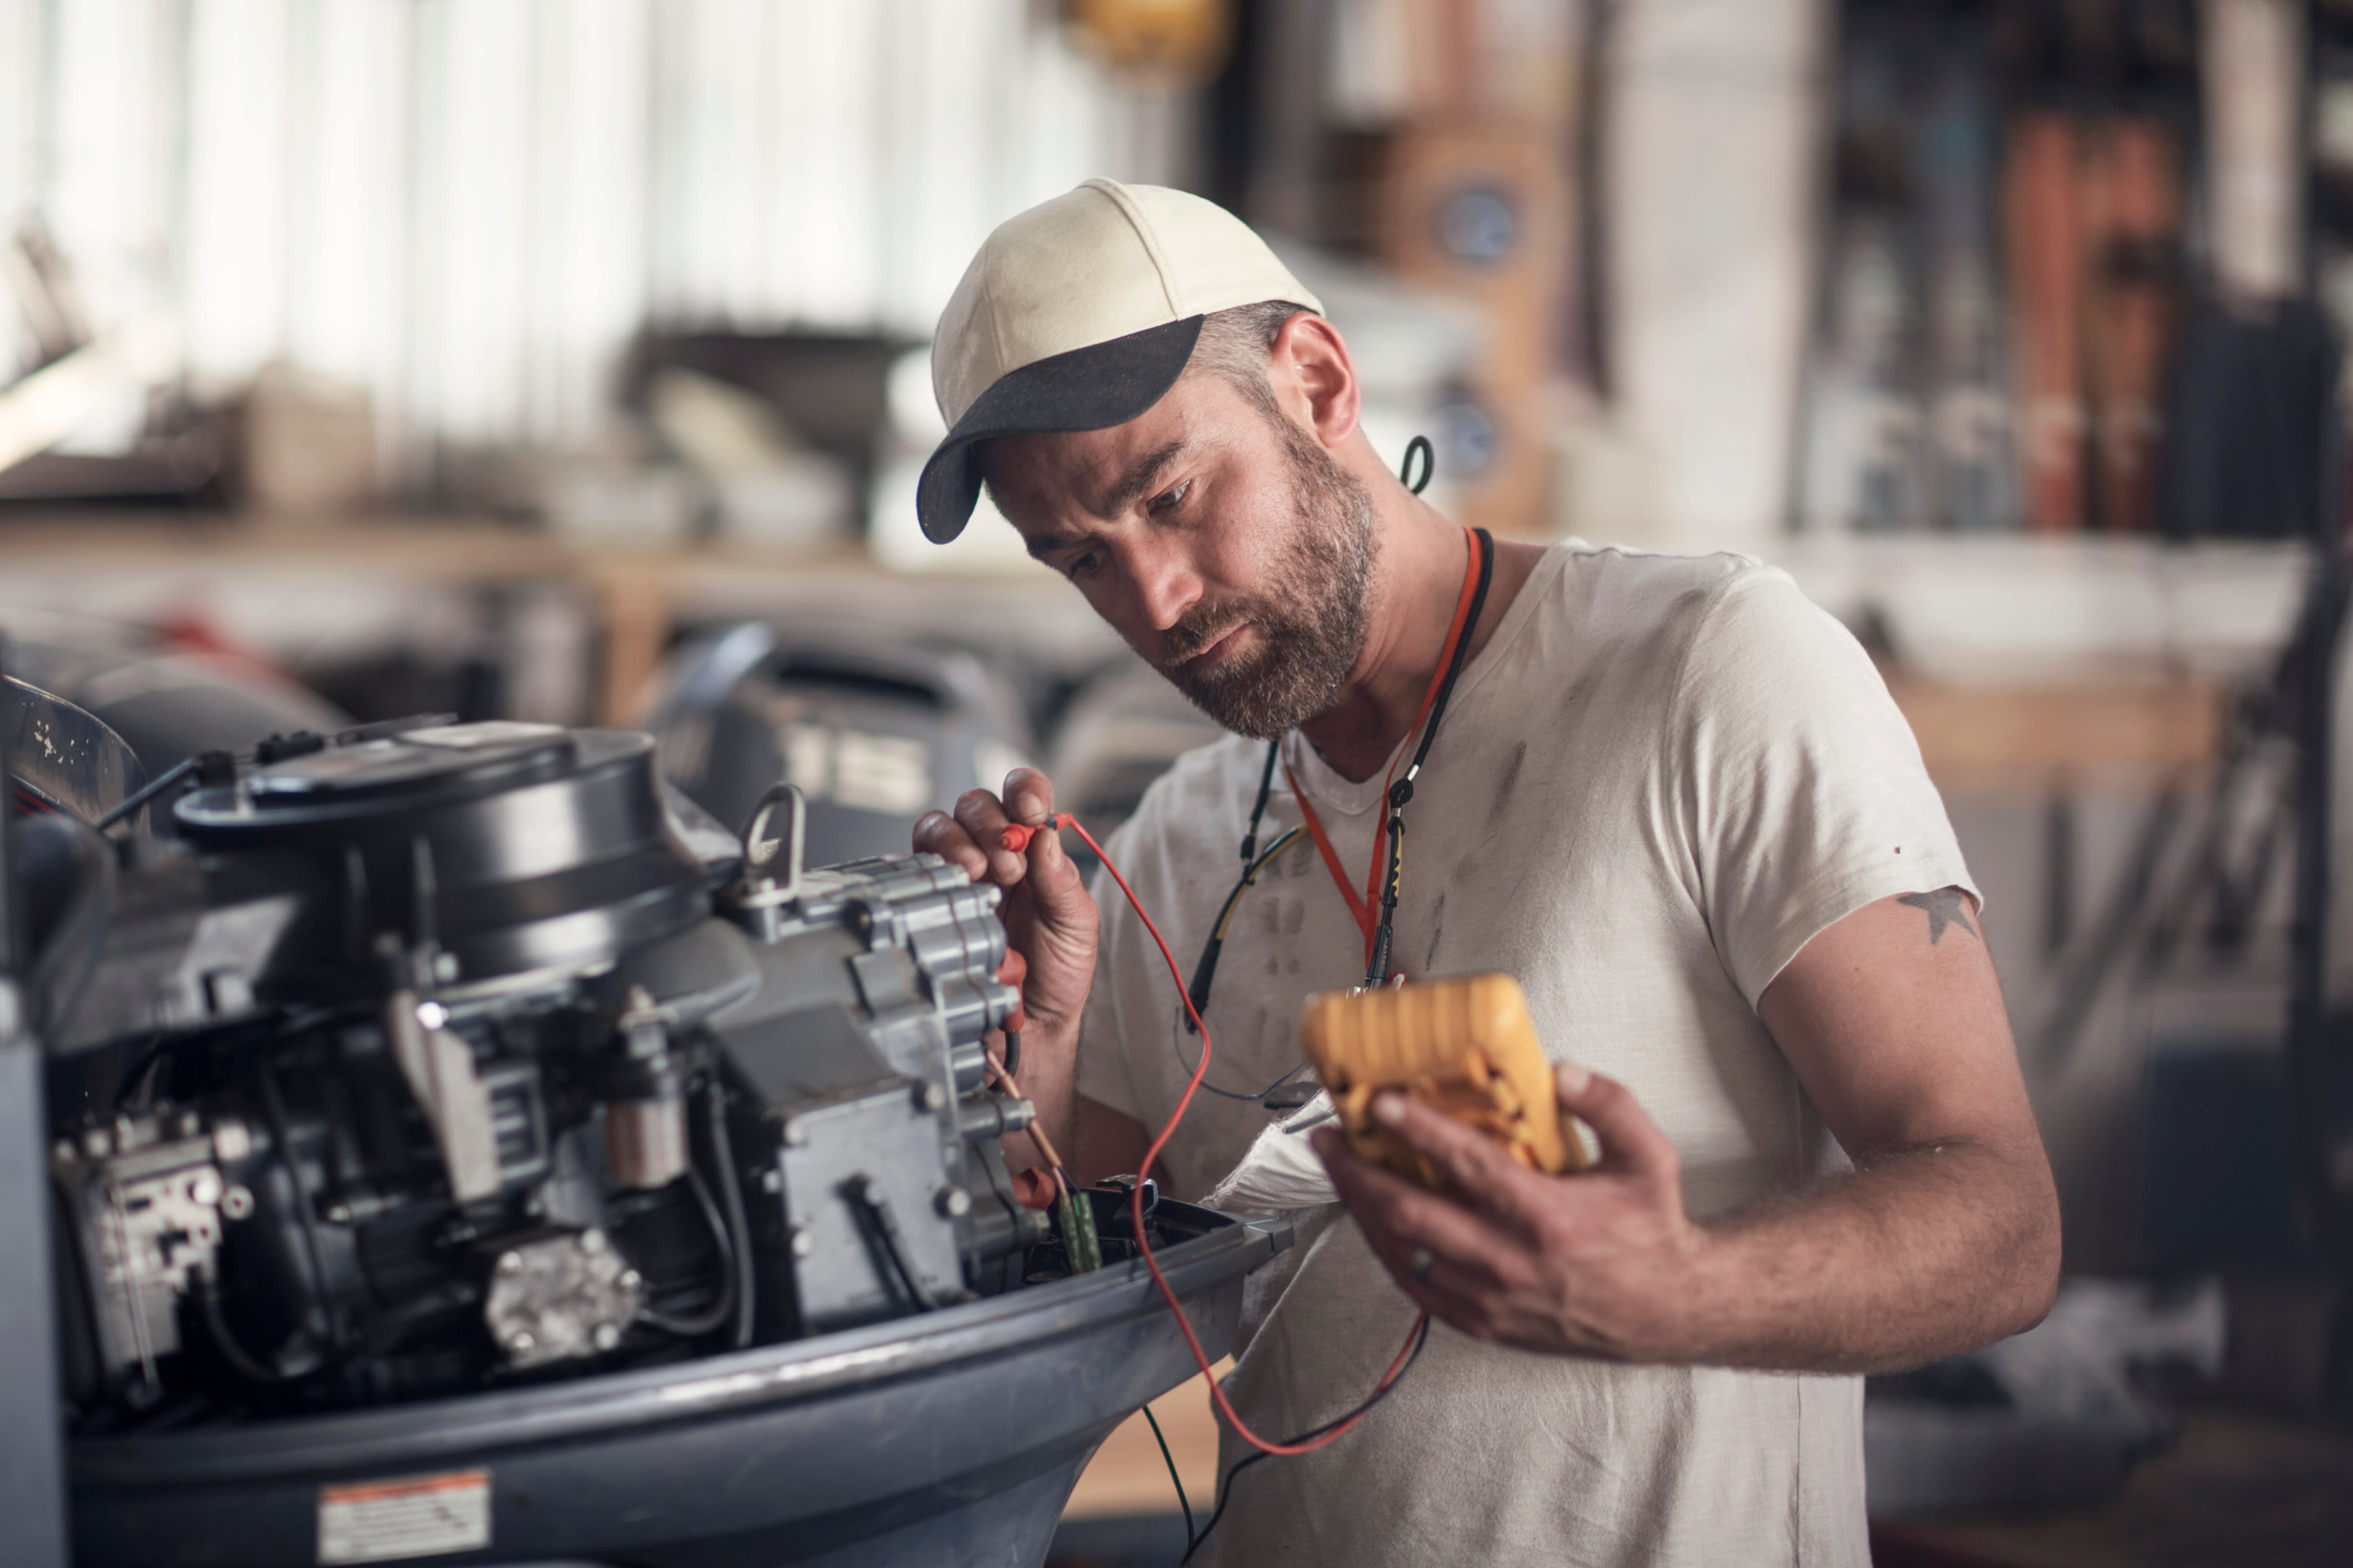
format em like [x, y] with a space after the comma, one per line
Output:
[1602, 1263]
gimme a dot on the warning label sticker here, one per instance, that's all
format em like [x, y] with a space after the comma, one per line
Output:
[417, 1516]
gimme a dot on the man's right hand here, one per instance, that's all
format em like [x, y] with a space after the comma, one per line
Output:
[1049, 916]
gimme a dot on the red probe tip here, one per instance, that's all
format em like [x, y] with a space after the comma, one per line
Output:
[1018, 837]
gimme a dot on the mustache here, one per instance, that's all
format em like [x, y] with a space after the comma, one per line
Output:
[1198, 628]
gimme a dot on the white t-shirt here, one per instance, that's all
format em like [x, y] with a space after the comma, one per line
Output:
[1659, 780]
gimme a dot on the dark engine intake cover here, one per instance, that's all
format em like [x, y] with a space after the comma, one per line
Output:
[502, 848]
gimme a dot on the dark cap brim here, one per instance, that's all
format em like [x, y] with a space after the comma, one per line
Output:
[1091, 388]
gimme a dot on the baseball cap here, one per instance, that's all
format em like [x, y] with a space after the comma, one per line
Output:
[1080, 314]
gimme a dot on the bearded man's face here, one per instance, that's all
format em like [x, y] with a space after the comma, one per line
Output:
[1310, 611]
[1243, 566]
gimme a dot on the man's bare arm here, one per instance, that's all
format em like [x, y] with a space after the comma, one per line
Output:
[1945, 1236]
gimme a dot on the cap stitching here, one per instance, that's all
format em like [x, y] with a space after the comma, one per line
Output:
[1161, 267]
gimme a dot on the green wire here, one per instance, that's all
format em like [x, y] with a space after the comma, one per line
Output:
[1075, 1214]
[1174, 1478]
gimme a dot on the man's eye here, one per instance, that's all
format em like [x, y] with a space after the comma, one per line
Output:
[1173, 497]
[1079, 564]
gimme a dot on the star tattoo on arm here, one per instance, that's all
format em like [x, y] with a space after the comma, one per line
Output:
[1946, 906]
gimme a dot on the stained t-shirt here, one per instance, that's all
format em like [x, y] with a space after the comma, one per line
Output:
[1662, 777]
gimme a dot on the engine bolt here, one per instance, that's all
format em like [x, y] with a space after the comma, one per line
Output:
[803, 1242]
[952, 1202]
[606, 1336]
[934, 1097]
[205, 1189]
[339, 1214]
[511, 1263]
[772, 1180]
[237, 1202]
[631, 1280]
[592, 1241]
[519, 1340]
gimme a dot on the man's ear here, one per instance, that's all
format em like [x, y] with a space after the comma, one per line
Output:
[1314, 380]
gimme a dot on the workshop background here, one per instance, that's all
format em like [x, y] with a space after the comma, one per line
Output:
[564, 360]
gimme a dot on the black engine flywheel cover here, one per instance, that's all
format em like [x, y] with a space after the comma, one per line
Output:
[503, 847]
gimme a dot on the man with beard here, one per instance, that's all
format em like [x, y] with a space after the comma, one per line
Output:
[1666, 793]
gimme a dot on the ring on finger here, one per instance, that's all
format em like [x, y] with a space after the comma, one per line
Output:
[1420, 1264]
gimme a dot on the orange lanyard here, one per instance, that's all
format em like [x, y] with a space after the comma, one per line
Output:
[1365, 906]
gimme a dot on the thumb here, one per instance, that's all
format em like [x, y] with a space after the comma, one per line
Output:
[1631, 1143]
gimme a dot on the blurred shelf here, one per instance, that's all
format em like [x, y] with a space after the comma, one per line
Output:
[2019, 659]
[125, 566]
[2043, 736]
[2011, 610]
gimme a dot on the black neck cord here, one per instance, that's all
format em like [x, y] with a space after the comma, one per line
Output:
[1258, 811]
[1377, 972]
[1205, 969]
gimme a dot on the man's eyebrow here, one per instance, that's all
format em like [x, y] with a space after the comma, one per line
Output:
[1138, 480]
[1053, 545]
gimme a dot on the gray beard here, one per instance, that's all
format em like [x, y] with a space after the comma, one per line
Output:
[1311, 618]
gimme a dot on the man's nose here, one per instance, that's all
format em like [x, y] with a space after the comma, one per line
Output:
[1166, 584]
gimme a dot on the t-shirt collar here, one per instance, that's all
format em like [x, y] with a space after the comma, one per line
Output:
[1348, 797]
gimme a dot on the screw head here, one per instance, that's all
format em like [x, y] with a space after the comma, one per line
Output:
[934, 1097]
[803, 1242]
[339, 1214]
[238, 1202]
[606, 1336]
[772, 1180]
[204, 1188]
[511, 1263]
[520, 1340]
[592, 1241]
[631, 1280]
[952, 1202]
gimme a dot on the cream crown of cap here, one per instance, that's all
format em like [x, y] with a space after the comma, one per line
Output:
[1094, 264]
[1080, 314]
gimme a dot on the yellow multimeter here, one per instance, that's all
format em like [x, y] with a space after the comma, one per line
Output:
[1463, 1045]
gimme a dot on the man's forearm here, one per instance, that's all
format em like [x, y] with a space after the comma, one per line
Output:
[1916, 1255]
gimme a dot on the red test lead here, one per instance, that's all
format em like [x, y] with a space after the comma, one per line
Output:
[1151, 1155]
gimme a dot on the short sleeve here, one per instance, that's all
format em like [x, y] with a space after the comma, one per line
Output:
[1798, 786]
